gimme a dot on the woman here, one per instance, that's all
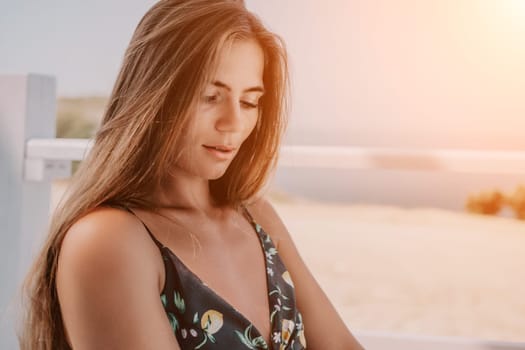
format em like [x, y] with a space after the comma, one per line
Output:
[164, 240]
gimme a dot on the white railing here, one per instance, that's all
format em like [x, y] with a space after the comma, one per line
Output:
[50, 158]
[30, 157]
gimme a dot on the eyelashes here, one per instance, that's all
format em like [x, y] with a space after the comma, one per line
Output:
[250, 105]
[212, 99]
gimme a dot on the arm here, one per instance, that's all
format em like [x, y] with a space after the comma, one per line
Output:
[324, 328]
[108, 282]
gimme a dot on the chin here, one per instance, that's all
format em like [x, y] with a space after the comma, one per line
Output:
[214, 177]
[217, 174]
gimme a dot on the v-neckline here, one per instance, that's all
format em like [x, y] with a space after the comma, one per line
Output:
[258, 230]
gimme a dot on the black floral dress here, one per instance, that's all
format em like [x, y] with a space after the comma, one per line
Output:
[201, 319]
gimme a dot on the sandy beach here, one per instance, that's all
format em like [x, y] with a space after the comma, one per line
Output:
[416, 271]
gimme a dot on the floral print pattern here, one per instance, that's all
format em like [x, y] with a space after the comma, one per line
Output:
[201, 319]
[250, 342]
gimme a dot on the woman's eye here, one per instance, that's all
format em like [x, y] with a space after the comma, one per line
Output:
[211, 98]
[249, 105]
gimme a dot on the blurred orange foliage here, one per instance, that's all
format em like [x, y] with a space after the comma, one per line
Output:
[491, 202]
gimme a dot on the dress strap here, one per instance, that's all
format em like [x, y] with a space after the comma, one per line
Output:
[160, 245]
[247, 213]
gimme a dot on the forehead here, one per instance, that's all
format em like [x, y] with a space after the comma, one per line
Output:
[240, 64]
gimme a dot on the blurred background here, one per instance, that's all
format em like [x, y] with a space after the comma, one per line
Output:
[396, 250]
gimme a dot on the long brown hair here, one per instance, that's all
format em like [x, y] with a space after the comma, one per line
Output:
[169, 59]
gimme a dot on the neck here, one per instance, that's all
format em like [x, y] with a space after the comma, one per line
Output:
[186, 193]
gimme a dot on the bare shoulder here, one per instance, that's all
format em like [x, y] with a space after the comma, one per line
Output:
[104, 218]
[104, 236]
[108, 271]
[265, 215]
[108, 239]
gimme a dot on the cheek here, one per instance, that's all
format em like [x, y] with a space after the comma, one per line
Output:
[184, 150]
[252, 125]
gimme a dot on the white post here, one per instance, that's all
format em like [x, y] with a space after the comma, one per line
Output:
[27, 110]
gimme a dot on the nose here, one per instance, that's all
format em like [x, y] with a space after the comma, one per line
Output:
[230, 118]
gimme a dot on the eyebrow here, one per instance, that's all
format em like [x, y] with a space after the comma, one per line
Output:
[220, 84]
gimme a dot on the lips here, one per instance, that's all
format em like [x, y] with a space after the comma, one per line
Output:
[221, 148]
[220, 152]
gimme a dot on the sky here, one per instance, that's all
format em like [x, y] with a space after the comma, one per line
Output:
[384, 73]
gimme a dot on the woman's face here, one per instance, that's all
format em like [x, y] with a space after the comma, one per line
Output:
[226, 112]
